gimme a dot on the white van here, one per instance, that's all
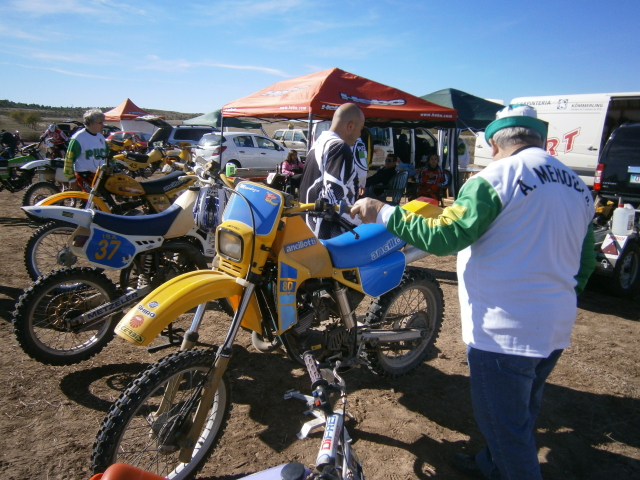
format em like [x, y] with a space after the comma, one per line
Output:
[579, 126]
[412, 145]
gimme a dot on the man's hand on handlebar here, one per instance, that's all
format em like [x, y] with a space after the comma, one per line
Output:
[366, 209]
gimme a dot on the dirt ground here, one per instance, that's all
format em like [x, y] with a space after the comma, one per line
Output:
[589, 427]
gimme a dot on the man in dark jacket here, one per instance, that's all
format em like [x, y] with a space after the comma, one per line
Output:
[330, 171]
[377, 182]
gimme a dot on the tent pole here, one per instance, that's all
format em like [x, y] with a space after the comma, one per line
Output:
[310, 124]
[453, 147]
[221, 136]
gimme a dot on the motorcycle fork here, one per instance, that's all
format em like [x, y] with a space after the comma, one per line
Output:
[212, 381]
[92, 193]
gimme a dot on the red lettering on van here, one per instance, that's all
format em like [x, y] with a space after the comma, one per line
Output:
[569, 137]
[552, 146]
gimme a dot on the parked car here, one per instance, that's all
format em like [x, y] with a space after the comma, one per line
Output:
[618, 177]
[189, 133]
[109, 129]
[245, 150]
[140, 138]
[618, 170]
[293, 139]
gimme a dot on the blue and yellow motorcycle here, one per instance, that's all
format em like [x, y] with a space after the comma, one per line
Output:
[286, 286]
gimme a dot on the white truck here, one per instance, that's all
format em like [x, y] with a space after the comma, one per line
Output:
[579, 126]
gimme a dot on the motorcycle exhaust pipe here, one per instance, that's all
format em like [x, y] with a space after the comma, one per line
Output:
[413, 254]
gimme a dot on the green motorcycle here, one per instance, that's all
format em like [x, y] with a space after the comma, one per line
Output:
[12, 176]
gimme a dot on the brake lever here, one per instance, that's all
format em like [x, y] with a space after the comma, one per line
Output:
[336, 217]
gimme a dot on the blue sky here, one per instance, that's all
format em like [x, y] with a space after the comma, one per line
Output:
[195, 56]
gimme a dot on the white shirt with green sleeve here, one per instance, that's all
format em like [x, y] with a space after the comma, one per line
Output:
[522, 228]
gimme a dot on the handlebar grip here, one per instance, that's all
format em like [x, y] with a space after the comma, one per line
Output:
[314, 371]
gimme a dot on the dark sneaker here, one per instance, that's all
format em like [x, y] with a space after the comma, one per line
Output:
[467, 465]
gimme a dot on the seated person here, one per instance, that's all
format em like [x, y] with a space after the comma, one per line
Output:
[433, 180]
[377, 182]
[292, 168]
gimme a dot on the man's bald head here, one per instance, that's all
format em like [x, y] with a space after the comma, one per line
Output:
[348, 122]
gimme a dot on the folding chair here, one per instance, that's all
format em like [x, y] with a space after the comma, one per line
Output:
[395, 188]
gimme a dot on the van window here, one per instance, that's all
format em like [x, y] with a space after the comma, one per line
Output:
[298, 137]
[288, 135]
[624, 147]
[193, 134]
[278, 134]
[380, 136]
[425, 146]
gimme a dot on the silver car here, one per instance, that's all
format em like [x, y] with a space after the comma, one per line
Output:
[245, 150]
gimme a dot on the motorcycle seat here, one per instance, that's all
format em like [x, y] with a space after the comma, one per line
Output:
[143, 225]
[163, 184]
[375, 242]
[137, 157]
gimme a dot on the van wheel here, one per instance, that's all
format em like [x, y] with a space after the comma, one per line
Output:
[627, 271]
[234, 162]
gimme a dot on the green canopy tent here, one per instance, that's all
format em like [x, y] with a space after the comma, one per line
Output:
[473, 112]
[213, 119]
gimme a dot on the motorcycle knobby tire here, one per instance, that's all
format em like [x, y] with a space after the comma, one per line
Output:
[41, 311]
[136, 411]
[416, 286]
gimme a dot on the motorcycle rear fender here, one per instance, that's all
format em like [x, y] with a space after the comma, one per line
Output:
[98, 202]
[146, 320]
[36, 164]
[76, 216]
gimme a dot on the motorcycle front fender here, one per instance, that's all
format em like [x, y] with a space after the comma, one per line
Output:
[147, 319]
[53, 199]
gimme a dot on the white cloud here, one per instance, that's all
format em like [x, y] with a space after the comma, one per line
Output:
[70, 7]
[230, 10]
[17, 33]
[58, 70]
[160, 64]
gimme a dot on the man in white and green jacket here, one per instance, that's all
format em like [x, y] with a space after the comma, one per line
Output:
[87, 150]
[522, 228]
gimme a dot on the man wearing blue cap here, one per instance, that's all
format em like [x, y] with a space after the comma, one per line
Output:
[522, 228]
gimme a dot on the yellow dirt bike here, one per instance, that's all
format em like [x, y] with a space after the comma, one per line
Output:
[115, 192]
[112, 192]
[287, 286]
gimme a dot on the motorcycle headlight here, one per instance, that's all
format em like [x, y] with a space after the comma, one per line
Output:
[230, 245]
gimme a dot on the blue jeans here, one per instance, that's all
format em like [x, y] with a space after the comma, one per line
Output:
[506, 391]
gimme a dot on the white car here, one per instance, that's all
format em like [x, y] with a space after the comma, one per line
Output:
[245, 150]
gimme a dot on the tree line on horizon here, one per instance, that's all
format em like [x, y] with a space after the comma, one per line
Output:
[75, 112]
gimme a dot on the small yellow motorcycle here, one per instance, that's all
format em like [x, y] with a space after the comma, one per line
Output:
[286, 286]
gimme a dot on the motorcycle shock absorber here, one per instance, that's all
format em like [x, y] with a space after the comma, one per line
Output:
[346, 313]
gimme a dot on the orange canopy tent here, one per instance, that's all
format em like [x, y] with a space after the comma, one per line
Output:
[126, 113]
[320, 94]
[127, 110]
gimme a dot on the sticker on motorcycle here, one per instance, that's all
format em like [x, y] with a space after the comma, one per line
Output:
[153, 304]
[136, 321]
[292, 247]
[109, 249]
[272, 198]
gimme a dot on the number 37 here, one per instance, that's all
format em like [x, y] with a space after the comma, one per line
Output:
[103, 247]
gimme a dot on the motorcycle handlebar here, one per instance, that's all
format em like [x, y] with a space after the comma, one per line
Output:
[314, 371]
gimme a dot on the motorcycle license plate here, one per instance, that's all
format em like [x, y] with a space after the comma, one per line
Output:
[635, 178]
[109, 249]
